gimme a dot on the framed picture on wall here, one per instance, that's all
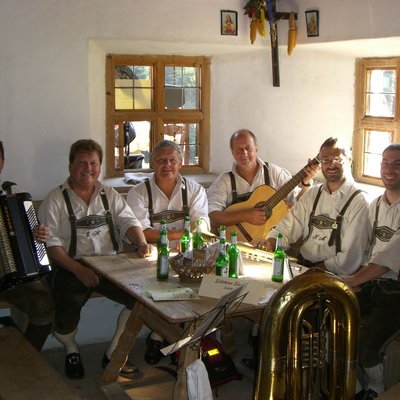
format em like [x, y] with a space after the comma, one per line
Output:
[312, 22]
[229, 22]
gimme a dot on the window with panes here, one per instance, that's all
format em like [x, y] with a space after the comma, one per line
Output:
[377, 114]
[150, 98]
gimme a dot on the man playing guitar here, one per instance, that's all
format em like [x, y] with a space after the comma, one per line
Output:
[248, 173]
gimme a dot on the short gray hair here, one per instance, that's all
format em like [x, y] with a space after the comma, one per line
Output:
[166, 144]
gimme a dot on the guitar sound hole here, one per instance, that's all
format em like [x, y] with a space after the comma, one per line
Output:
[268, 212]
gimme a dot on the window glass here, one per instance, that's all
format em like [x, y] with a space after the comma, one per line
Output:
[182, 87]
[375, 143]
[185, 135]
[381, 93]
[133, 87]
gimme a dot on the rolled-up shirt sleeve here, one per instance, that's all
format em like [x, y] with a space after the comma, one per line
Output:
[390, 256]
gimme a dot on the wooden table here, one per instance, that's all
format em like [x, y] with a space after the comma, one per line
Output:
[134, 275]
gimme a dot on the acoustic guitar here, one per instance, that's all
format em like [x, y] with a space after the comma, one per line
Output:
[273, 203]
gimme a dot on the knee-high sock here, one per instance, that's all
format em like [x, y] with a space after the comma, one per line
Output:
[68, 341]
[375, 378]
[122, 318]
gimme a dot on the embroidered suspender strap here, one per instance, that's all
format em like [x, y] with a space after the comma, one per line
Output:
[109, 219]
[72, 220]
[185, 207]
[150, 207]
[310, 220]
[336, 228]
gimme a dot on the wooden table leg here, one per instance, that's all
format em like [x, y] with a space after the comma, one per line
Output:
[125, 343]
[186, 357]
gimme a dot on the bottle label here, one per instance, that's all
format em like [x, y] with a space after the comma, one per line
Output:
[277, 267]
[164, 265]
[225, 271]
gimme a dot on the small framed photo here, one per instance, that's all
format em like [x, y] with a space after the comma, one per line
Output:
[312, 22]
[229, 22]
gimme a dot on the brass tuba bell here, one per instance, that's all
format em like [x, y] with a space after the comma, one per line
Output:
[308, 340]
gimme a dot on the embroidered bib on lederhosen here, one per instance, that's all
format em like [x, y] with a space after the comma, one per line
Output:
[169, 216]
[324, 222]
[383, 233]
[89, 222]
[239, 198]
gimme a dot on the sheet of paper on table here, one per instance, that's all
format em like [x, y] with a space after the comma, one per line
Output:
[173, 294]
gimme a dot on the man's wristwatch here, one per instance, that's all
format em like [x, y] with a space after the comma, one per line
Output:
[306, 184]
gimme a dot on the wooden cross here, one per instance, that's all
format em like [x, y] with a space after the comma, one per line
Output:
[273, 17]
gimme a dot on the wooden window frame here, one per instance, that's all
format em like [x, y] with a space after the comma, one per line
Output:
[364, 122]
[158, 115]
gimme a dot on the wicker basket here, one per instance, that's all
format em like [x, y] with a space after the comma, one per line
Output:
[192, 270]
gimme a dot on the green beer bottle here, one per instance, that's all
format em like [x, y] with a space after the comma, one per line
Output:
[163, 227]
[163, 257]
[198, 241]
[186, 238]
[279, 260]
[233, 254]
[222, 263]
[222, 232]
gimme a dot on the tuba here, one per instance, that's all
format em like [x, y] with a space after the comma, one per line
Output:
[308, 340]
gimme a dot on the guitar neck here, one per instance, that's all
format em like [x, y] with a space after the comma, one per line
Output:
[288, 186]
[285, 190]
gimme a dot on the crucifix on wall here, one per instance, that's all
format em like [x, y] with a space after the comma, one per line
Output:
[261, 11]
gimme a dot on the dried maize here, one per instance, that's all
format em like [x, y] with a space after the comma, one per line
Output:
[292, 34]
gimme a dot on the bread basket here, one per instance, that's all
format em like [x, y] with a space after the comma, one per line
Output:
[193, 266]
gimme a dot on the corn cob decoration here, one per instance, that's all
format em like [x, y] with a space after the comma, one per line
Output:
[255, 9]
[261, 23]
[253, 29]
[292, 34]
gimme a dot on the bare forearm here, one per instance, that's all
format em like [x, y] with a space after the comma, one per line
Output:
[152, 235]
[365, 274]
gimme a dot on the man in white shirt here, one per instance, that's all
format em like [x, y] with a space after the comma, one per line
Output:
[86, 218]
[377, 282]
[169, 196]
[248, 173]
[329, 220]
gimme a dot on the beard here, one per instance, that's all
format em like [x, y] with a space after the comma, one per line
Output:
[333, 175]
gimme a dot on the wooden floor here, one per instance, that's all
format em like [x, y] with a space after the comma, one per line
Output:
[154, 383]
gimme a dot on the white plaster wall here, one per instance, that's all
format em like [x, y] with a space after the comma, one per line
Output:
[52, 73]
[52, 81]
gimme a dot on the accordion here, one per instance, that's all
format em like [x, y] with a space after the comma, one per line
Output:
[22, 257]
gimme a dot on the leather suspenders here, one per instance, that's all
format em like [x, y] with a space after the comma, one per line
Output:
[73, 221]
[335, 225]
[177, 214]
[243, 197]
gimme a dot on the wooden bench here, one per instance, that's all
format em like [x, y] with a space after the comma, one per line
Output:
[26, 374]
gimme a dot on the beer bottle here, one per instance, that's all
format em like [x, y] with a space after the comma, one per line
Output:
[163, 257]
[233, 254]
[222, 263]
[222, 232]
[198, 241]
[279, 260]
[186, 238]
[163, 227]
